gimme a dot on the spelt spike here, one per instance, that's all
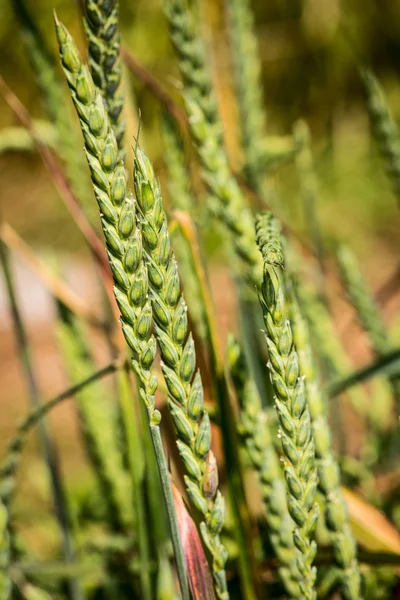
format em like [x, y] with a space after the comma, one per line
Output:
[255, 432]
[337, 520]
[385, 129]
[205, 127]
[179, 363]
[293, 413]
[101, 25]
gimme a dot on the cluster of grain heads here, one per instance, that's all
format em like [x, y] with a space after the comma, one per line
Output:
[336, 517]
[366, 309]
[101, 24]
[255, 432]
[185, 389]
[206, 130]
[125, 251]
[385, 129]
[291, 406]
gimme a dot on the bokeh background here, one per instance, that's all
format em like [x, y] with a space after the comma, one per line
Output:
[311, 52]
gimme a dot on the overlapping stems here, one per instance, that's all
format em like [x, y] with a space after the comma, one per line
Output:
[185, 390]
[205, 126]
[344, 545]
[255, 431]
[292, 410]
[101, 25]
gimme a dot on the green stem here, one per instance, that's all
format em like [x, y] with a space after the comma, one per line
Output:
[169, 503]
[136, 466]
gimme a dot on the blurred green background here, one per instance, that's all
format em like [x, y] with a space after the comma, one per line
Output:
[311, 51]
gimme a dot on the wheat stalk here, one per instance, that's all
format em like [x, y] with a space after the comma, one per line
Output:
[291, 406]
[101, 25]
[337, 520]
[385, 129]
[205, 127]
[255, 432]
[185, 389]
[124, 245]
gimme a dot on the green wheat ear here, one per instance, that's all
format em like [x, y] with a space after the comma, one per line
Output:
[206, 130]
[337, 520]
[183, 379]
[366, 309]
[384, 128]
[249, 90]
[291, 406]
[101, 25]
[255, 432]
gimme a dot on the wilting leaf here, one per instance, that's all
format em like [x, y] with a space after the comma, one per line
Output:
[371, 528]
[200, 580]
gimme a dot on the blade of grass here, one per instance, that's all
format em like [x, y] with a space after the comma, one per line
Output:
[387, 364]
[45, 440]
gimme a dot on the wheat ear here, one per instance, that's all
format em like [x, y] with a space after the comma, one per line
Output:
[337, 520]
[125, 252]
[205, 127]
[185, 389]
[292, 409]
[255, 432]
[247, 68]
[366, 309]
[384, 128]
[101, 25]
